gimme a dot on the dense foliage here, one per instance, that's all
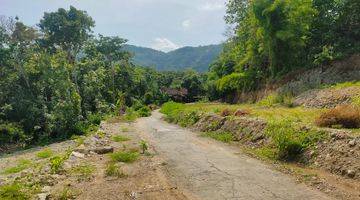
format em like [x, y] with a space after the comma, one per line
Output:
[274, 37]
[57, 79]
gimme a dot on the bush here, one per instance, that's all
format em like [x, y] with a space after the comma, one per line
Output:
[11, 133]
[144, 111]
[291, 141]
[347, 116]
[277, 99]
[95, 119]
[226, 112]
[126, 157]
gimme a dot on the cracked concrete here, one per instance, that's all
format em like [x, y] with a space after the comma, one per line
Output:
[214, 171]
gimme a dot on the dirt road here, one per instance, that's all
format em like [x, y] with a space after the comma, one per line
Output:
[211, 170]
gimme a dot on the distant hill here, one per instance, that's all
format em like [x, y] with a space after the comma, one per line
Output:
[197, 58]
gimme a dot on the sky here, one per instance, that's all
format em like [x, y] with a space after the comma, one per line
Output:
[160, 24]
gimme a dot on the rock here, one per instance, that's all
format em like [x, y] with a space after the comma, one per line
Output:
[43, 196]
[77, 154]
[46, 189]
[351, 173]
[103, 150]
[352, 143]
[82, 149]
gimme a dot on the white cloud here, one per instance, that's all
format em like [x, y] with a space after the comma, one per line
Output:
[186, 24]
[210, 6]
[164, 44]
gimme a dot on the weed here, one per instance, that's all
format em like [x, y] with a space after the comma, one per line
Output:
[101, 134]
[83, 172]
[143, 146]
[346, 116]
[127, 157]
[114, 171]
[266, 152]
[291, 141]
[12, 192]
[277, 99]
[46, 153]
[22, 164]
[120, 138]
[130, 115]
[124, 129]
[65, 194]
[56, 163]
[220, 136]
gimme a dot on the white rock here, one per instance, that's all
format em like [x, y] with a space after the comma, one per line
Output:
[352, 143]
[43, 196]
[46, 189]
[77, 154]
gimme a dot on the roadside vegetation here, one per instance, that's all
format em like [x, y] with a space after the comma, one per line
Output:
[292, 130]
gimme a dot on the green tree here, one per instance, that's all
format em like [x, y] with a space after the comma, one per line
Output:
[68, 29]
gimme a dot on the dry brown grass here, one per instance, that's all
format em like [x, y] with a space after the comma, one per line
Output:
[346, 116]
[241, 112]
[226, 112]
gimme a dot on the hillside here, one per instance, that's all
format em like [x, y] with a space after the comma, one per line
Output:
[197, 58]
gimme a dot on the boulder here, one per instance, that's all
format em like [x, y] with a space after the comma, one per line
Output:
[103, 150]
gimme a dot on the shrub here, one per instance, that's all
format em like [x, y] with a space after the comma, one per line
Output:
[226, 112]
[95, 119]
[347, 116]
[220, 136]
[277, 99]
[291, 141]
[56, 164]
[11, 133]
[239, 113]
[12, 192]
[46, 153]
[126, 157]
[144, 111]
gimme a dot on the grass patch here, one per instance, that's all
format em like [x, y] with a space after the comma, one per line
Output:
[66, 193]
[122, 156]
[22, 165]
[220, 136]
[343, 85]
[120, 138]
[113, 171]
[46, 153]
[83, 172]
[266, 153]
[289, 140]
[13, 192]
[124, 129]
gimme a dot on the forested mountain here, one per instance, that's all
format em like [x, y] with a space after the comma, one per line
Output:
[197, 58]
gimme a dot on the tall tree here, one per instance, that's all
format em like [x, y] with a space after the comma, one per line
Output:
[68, 29]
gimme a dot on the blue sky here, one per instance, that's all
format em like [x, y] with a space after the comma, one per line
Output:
[161, 24]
